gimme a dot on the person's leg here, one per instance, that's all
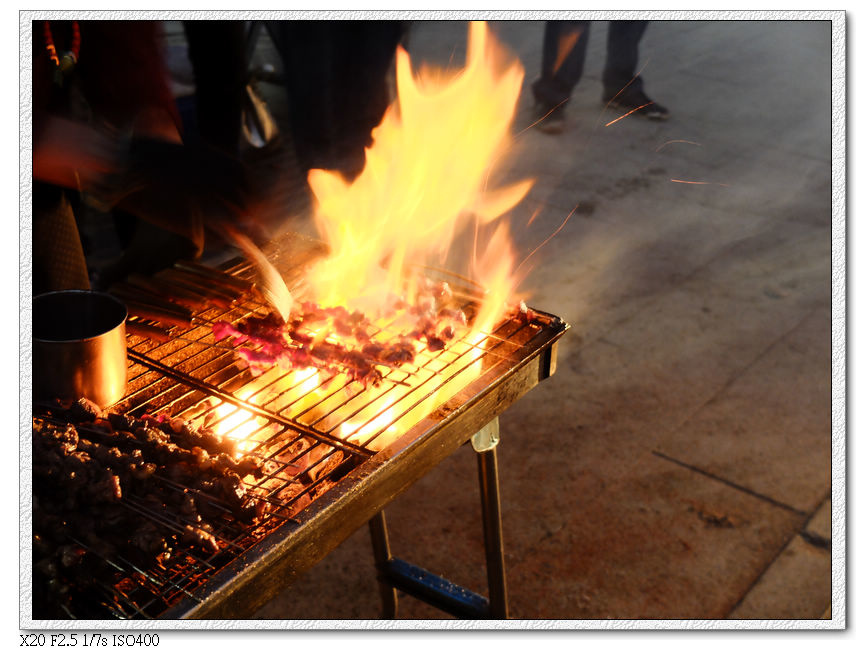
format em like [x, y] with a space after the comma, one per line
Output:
[364, 52]
[623, 86]
[217, 51]
[623, 45]
[307, 52]
[336, 79]
[563, 58]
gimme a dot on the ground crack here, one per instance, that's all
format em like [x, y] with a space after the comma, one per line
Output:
[816, 540]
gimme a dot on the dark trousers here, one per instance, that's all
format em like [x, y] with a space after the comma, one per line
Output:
[564, 56]
[217, 51]
[335, 74]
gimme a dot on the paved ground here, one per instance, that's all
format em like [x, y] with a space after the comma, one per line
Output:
[677, 465]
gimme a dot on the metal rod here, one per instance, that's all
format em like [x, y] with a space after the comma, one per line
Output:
[434, 590]
[405, 398]
[256, 410]
[381, 553]
[488, 475]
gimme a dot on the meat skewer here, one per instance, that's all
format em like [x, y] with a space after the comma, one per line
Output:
[168, 291]
[153, 313]
[148, 331]
[214, 275]
[221, 295]
[140, 302]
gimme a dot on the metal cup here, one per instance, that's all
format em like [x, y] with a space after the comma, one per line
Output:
[79, 346]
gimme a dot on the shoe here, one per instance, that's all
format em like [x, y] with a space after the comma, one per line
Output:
[549, 119]
[631, 99]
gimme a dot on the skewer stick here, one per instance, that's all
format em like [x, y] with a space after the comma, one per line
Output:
[272, 285]
[213, 274]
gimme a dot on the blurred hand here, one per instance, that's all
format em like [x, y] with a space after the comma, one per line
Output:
[75, 155]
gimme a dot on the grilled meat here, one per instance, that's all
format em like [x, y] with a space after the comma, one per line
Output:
[335, 340]
[111, 486]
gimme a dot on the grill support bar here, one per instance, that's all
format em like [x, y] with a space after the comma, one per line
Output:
[488, 474]
[434, 590]
[383, 558]
[394, 573]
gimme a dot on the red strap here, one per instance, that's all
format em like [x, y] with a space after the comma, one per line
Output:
[74, 48]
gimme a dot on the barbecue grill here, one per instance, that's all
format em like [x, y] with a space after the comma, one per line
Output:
[321, 486]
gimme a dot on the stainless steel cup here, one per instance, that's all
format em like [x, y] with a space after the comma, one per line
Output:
[79, 346]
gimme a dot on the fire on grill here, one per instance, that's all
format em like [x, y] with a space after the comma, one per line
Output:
[242, 416]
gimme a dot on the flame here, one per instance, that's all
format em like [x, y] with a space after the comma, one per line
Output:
[360, 430]
[424, 177]
[495, 272]
[236, 423]
[424, 183]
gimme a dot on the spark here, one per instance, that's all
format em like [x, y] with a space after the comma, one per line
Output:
[676, 180]
[452, 57]
[696, 144]
[639, 72]
[566, 45]
[544, 243]
[540, 119]
[474, 259]
[533, 217]
[613, 98]
[633, 110]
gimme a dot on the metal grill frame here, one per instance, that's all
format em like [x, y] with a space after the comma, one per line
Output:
[257, 574]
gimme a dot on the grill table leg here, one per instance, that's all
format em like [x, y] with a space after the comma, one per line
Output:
[484, 443]
[394, 573]
[381, 553]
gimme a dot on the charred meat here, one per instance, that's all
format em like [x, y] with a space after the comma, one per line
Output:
[109, 486]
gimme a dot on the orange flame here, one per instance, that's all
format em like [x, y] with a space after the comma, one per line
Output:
[424, 176]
